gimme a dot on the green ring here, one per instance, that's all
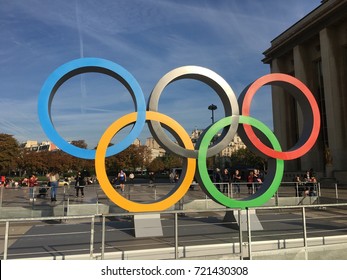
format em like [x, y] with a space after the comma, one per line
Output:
[267, 190]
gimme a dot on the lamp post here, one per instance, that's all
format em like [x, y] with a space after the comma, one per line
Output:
[212, 107]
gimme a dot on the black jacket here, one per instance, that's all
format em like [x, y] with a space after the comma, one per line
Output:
[80, 181]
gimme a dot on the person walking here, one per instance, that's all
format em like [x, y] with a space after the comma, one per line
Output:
[80, 184]
[53, 178]
[122, 177]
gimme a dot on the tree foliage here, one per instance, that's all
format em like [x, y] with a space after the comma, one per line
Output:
[19, 161]
[246, 158]
[15, 160]
[130, 159]
[156, 165]
[166, 162]
[170, 161]
[40, 163]
[9, 150]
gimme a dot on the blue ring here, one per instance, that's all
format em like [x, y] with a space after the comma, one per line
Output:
[84, 65]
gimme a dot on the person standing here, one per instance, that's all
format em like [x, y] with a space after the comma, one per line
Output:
[307, 176]
[217, 178]
[53, 178]
[298, 186]
[176, 177]
[172, 177]
[122, 177]
[250, 182]
[226, 180]
[2, 180]
[257, 179]
[131, 177]
[80, 184]
[32, 183]
[151, 178]
[237, 180]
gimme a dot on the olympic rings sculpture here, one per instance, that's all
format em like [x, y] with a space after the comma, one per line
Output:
[195, 157]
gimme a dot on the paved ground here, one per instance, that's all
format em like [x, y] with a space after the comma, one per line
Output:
[55, 238]
[61, 238]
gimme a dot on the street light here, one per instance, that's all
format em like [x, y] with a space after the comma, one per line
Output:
[212, 107]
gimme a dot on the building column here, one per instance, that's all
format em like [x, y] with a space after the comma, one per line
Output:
[283, 122]
[335, 108]
[303, 71]
[278, 107]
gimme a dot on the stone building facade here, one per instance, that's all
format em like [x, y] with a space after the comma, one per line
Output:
[315, 51]
[235, 144]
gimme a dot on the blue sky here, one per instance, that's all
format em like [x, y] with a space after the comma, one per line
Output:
[148, 38]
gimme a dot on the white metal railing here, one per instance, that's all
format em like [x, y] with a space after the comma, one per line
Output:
[244, 239]
[25, 196]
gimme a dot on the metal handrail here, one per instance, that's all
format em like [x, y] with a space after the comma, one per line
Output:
[176, 213]
[332, 193]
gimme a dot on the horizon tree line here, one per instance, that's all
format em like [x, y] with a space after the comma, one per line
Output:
[17, 161]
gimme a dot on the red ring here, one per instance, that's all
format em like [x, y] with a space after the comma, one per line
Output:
[292, 154]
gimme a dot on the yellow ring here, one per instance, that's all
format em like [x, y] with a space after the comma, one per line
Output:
[105, 184]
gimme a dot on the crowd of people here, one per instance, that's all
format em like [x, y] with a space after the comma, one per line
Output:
[252, 180]
[51, 184]
[224, 179]
[306, 184]
[12, 183]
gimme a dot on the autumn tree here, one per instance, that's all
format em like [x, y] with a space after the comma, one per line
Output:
[245, 157]
[44, 161]
[130, 159]
[77, 164]
[32, 162]
[171, 160]
[156, 165]
[9, 151]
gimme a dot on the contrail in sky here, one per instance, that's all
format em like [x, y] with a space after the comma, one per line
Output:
[83, 85]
